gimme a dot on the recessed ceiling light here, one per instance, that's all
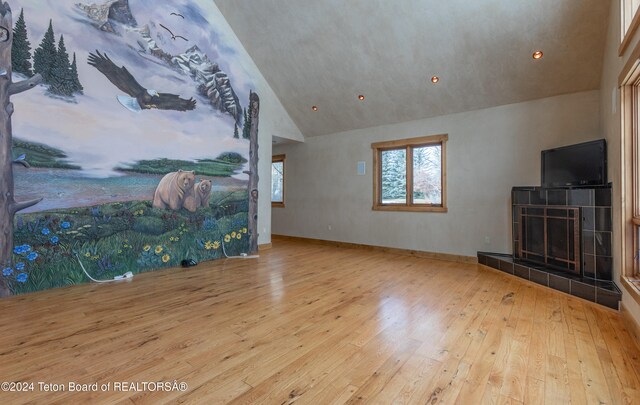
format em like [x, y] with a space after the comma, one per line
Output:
[360, 97]
[537, 55]
[435, 79]
[314, 108]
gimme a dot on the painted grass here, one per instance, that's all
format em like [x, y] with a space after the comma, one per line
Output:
[114, 238]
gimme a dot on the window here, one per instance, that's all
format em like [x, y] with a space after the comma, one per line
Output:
[630, 21]
[630, 176]
[409, 174]
[277, 181]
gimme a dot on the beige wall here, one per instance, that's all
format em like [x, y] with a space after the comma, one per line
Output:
[274, 120]
[611, 129]
[488, 152]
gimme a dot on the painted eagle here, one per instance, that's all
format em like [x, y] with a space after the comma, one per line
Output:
[138, 98]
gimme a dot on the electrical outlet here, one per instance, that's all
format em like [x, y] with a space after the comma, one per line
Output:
[329, 227]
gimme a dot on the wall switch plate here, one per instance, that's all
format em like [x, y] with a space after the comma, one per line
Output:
[362, 168]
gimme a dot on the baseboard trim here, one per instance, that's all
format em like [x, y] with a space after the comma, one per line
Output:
[265, 246]
[404, 252]
[632, 324]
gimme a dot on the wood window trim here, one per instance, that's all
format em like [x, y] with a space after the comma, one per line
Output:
[627, 34]
[630, 169]
[274, 159]
[379, 147]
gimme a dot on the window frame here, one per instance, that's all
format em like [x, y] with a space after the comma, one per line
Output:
[629, 22]
[629, 81]
[409, 144]
[275, 159]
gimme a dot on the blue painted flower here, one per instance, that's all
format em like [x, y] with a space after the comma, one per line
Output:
[54, 239]
[22, 278]
[65, 225]
[21, 249]
[19, 266]
[7, 272]
[32, 256]
[45, 231]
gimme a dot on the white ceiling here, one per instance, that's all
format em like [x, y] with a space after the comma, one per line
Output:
[327, 52]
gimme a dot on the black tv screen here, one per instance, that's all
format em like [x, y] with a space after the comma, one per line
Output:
[583, 164]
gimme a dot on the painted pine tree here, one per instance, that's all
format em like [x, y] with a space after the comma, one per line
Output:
[77, 86]
[8, 205]
[44, 56]
[60, 80]
[235, 131]
[21, 50]
[246, 129]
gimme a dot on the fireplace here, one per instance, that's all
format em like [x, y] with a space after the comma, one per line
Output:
[565, 230]
[550, 236]
[562, 240]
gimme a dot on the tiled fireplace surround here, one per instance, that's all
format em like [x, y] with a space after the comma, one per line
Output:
[594, 282]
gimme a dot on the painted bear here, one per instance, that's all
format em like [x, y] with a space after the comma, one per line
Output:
[200, 197]
[173, 189]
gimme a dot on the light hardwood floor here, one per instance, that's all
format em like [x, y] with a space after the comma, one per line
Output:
[316, 324]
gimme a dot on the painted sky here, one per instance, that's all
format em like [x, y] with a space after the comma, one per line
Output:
[97, 132]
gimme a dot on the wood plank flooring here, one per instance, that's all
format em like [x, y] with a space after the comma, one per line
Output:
[313, 324]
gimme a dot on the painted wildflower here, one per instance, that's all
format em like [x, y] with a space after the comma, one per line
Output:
[233, 234]
[216, 244]
[45, 231]
[54, 239]
[21, 249]
[22, 278]
[166, 258]
[19, 266]
[87, 254]
[227, 238]
[208, 245]
[239, 236]
[244, 230]
[32, 256]
[146, 248]
[158, 250]
[7, 272]
[65, 225]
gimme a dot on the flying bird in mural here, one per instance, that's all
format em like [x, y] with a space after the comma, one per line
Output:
[138, 98]
[177, 14]
[173, 36]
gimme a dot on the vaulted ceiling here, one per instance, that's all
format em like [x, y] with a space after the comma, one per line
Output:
[327, 52]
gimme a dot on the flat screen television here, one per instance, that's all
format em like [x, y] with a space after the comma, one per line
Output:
[583, 164]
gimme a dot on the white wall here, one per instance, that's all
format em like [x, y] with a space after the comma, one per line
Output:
[274, 120]
[488, 152]
[611, 129]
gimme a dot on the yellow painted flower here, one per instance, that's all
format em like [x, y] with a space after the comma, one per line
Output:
[87, 254]
[227, 238]
[239, 236]
[95, 257]
[208, 245]
[233, 234]
[244, 230]
[119, 251]
[176, 239]
[165, 258]
[146, 248]
[216, 244]
[171, 239]
[158, 250]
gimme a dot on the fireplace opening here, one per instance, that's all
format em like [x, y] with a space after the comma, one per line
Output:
[550, 236]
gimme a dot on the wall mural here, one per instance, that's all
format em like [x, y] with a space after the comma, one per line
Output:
[128, 138]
